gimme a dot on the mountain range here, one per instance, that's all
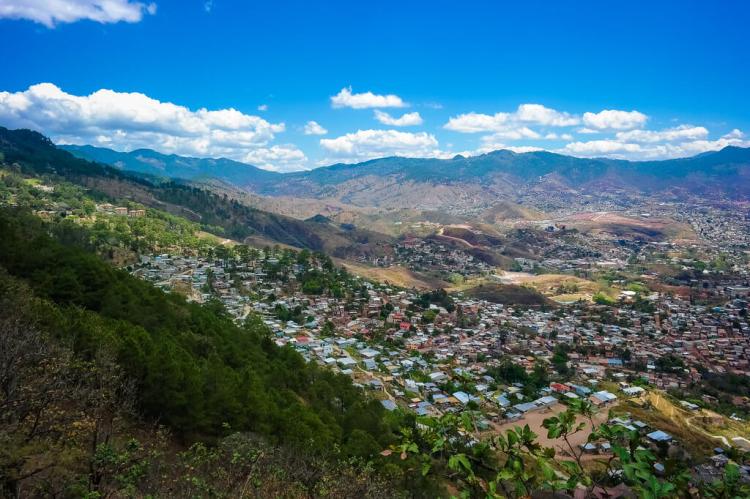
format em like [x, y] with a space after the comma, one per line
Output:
[458, 184]
[32, 153]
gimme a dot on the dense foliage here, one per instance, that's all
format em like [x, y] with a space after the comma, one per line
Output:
[195, 370]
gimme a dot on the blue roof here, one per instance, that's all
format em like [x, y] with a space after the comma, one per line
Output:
[389, 404]
[659, 436]
[526, 407]
[502, 400]
[462, 397]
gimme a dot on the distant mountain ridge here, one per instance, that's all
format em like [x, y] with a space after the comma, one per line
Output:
[35, 154]
[173, 166]
[457, 183]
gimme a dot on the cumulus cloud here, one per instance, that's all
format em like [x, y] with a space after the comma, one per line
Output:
[537, 113]
[682, 132]
[511, 134]
[673, 143]
[506, 122]
[128, 121]
[555, 136]
[345, 98]
[263, 107]
[734, 134]
[489, 145]
[407, 119]
[477, 122]
[52, 12]
[314, 128]
[600, 148]
[280, 158]
[368, 144]
[614, 119]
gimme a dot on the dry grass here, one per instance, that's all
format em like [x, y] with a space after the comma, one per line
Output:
[557, 287]
[659, 412]
[621, 225]
[396, 275]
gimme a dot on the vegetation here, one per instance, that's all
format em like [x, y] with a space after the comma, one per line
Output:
[192, 368]
[514, 464]
[508, 294]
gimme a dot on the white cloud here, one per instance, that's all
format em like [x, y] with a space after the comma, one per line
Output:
[314, 128]
[667, 148]
[208, 5]
[345, 98]
[477, 122]
[600, 148]
[368, 144]
[734, 134]
[263, 107]
[522, 149]
[537, 113]
[734, 138]
[497, 146]
[614, 119]
[682, 132]
[506, 122]
[512, 134]
[408, 119]
[280, 158]
[127, 121]
[554, 136]
[52, 12]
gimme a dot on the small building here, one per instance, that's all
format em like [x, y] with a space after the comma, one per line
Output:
[633, 391]
[525, 407]
[602, 397]
[659, 436]
[462, 397]
[547, 401]
[389, 405]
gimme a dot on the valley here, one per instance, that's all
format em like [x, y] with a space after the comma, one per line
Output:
[478, 326]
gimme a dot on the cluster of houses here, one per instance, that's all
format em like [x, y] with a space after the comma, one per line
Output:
[428, 255]
[434, 361]
[120, 210]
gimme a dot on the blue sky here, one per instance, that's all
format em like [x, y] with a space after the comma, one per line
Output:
[244, 79]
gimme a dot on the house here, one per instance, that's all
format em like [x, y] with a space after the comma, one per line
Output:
[462, 397]
[659, 436]
[526, 407]
[389, 405]
[633, 391]
[581, 391]
[502, 400]
[547, 401]
[689, 405]
[559, 387]
[602, 397]
[347, 362]
[370, 353]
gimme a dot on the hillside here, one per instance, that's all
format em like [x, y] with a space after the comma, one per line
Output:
[217, 213]
[188, 366]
